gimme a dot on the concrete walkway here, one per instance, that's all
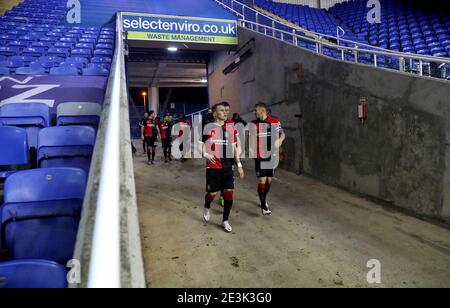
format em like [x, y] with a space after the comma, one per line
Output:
[317, 236]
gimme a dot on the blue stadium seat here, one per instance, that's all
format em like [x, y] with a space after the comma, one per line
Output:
[99, 65]
[66, 146]
[64, 71]
[84, 53]
[58, 52]
[9, 51]
[55, 60]
[101, 60]
[30, 71]
[40, 214]
[32, 274]
[4, 71]
[34, 51]
[95, 71]
[79, 113]
[31, 116]
[103, 53]
[14, 155]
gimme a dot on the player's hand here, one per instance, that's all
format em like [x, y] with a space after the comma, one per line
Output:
[143, 138]
[210, 158]
[241, 173]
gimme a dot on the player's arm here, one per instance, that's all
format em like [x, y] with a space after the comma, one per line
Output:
[202, 151]
[281, 136]
[142, 133]
[159, 131]
[237, 159]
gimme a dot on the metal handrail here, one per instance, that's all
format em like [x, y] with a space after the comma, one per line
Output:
[108, 241]
[361, 47]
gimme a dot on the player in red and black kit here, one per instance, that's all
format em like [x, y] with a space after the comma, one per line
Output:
[264, 123]
[220, 150]
[141, 125]
[231, 126]
[165, 128]
[184, 128]
[150, 133]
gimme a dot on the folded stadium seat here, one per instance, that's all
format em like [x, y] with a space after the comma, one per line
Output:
[45, 45]
[103, 53]
[106, 66]
[64, 71]
[9, 51]
[11, 64]
[88, 46]
[55, 60]
[84, 53]
[4, 71]
[101, 60]
[104, 46]
[31, 116]
[63, 44]
[78, 65]
[34, 51]
[66, 146]
[58, 52]
[51, 40]
[87, 40]
[41, 212]
[79, 113]
[106, 41]
[77, 59]
[31, 71]
[32, 274]
[14, 155]
[95, 71]
[46, 65]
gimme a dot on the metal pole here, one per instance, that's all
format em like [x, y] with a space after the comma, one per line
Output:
[273, 28]
[375, 60]
[294, 37]
[257, 22]
[420, 67]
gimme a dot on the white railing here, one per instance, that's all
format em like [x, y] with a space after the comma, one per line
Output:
[197, 113]
[407, 62]
[108, 242]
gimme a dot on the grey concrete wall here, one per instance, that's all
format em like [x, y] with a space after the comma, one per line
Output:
[223, 87]
[401, 154]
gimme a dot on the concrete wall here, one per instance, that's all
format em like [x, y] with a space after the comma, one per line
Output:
[8, 4]
[223, 87]
[401, 154]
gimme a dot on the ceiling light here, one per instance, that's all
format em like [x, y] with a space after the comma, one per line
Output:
[172, 49]
[204, 80]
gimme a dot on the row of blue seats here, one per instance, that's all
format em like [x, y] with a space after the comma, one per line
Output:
[58, 146]
[46, 62]
[403, 28]
[34, 117]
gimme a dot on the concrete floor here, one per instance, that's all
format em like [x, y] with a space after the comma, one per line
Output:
[317, 236]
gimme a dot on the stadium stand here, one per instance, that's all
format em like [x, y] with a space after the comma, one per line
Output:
[33, 30]
[42, 207]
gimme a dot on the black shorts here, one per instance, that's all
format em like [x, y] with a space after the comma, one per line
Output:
[219, 179]
[150, 141]
[263, 173]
